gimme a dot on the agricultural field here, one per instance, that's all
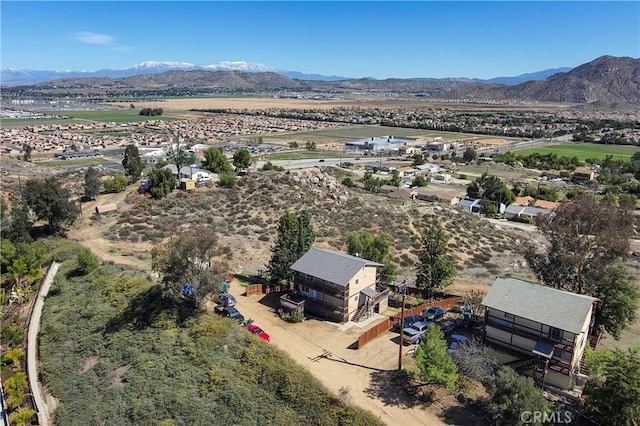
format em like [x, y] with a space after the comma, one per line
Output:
[106, 116]
[585, 150]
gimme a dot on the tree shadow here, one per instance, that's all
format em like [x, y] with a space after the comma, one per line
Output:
[468, 415]
[386, 386]
[144, 308]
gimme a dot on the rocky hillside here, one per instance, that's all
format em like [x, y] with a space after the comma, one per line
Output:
[607, 80]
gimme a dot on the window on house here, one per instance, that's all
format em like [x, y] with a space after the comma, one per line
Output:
[357, 281]
[355, 298]
[556, 333]
[304, 289]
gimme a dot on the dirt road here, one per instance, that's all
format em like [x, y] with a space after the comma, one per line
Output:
[324, 349]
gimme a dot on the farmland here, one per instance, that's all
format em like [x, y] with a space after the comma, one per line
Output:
[585, 150]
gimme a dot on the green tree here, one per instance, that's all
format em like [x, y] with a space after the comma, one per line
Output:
[87, 261]
[16, 227]
[375, 248]
[613, 393]
[295, 237]
[190, 265]
[310, 146]
[215, 161]
[437, 268]
[418, 159]
[117, 183]
[241, 159]
[22, 417]
[16, 387]
[270, 166]
[227, 179]
[469, 155]
[50, 201]
[619, 295]
[163, 182]
[588, 240]
[433, 360]
[510, 395]
[489, 187]
[92, 183]
[395, 179]
[293, 144]
[132, 163]
[24, 262]
[371, 183]
[419, 181]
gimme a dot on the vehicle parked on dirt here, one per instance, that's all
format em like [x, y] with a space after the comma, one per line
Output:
[225, 299]
[408, 321]
[433, 313]
[230, 312]
[258, 332]
[412, 335]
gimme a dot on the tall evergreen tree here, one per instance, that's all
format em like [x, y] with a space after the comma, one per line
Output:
[295, 237]
[613, 392]
[132, 163]
[433, 360]
[437, 268]
[92, 183]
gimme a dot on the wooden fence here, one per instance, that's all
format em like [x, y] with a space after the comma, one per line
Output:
[385, 326]
[261, 289]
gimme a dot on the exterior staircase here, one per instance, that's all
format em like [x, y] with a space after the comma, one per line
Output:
[370, 303]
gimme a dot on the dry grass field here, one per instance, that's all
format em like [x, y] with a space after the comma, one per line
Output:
[185, 104]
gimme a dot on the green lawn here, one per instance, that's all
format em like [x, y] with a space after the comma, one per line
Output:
[361, 132]
[298, 155]
[585, 150]
[115, 116]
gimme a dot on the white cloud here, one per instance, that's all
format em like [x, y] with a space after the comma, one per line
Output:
[93, 38]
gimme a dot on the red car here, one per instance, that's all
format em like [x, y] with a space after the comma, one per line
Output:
[258, 332]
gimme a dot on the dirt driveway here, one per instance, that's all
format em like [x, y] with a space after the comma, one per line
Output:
[324, 349]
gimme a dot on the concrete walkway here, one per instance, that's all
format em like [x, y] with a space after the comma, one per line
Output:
[39, 396]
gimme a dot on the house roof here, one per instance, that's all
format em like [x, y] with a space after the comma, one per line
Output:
[332, 266]
[544, 204]
[546, 305]
[468, 202]
[526, 210]
[523, 201]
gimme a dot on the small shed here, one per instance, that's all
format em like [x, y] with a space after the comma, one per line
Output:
[187, 184]
[107, 208]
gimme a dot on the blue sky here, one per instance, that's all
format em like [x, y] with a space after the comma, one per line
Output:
[351, 39]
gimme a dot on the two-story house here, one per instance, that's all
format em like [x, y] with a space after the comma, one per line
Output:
[336, 286]
[547, 328]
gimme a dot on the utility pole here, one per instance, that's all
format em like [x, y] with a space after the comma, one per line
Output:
[402, 289]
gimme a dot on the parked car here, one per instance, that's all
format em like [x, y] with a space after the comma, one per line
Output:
[447, 326]
[258, 332]
[412, 335]
[433, 313]
[408, 321]
[225, 299]
[230, 312]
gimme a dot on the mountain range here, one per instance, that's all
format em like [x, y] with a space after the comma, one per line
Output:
[606, 81]
[13, 77]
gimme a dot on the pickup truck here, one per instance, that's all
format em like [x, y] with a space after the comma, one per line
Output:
[412, 334]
